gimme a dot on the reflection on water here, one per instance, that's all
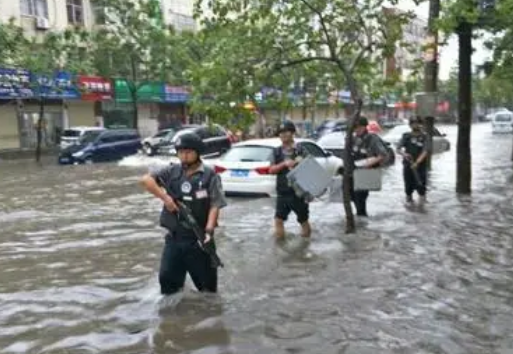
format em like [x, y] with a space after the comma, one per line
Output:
[80, 249]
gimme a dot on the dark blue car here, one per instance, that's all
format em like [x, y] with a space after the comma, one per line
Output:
[102, 146]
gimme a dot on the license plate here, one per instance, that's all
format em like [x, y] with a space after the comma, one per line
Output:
[239, 173]
[64, 159]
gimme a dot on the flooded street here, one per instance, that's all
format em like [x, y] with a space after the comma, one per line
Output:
[80, 248]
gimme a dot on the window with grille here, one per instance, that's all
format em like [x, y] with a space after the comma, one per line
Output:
[75, 11]
[36, 8]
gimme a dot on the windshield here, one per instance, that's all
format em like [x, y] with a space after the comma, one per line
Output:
[163, 133]
[90, 136]
[503, 118]
[249, 154]
[71, 133]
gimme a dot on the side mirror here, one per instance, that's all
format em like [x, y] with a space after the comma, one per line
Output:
[444, 135]
[328, 153]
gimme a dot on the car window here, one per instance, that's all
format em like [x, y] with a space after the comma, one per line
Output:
[71, 133]
[312, 149]
[217, 131]
[162, 133]
[203, 133]
[436, 132]
[90, 136]
[503, 117]
[249, 154]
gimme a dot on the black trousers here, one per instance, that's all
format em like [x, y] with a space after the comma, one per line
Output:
[411, 184]
[359, 199]
[285, 204]
[181, 256]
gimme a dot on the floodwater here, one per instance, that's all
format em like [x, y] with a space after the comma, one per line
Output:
[80, 247]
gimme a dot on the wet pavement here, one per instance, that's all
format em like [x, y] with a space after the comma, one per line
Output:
[80, 247]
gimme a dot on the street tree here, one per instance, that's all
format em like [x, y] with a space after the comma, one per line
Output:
[351, 37]
[11, 43]
[44, 58]
[467, 18]
[134, 45]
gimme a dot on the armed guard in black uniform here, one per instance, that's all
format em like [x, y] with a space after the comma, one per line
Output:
[415, 148]
[199, 188]
[286, 157]
[369, 151]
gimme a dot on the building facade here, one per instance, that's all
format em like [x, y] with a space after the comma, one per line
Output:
[70, 107]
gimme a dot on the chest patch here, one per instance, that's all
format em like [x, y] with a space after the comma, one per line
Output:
[186, 187]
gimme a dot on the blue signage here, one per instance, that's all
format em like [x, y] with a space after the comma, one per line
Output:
[57, 86]
[175, 94]
[20, 83]
[14, 83]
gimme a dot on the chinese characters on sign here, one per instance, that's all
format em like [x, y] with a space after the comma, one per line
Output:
[14, 83]
[95, 88]
[175, 94]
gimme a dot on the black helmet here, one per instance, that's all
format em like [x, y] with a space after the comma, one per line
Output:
[287, 126]
[190, 141]
[362, 122]
[415, 120]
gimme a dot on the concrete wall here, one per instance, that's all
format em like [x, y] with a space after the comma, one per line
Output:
[9, 135]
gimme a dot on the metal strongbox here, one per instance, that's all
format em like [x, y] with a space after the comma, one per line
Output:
[309, 179]
[367, 179]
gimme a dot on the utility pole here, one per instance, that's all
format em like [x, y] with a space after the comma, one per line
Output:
[431, 67]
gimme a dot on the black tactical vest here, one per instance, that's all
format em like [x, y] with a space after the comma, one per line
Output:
[414, 144]
[282, 183]
[361, 147]
[192, 191]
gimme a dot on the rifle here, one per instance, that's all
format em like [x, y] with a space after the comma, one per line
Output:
[416, 174]
[209, 247]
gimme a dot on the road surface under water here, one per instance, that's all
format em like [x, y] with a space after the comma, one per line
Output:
[80, 248]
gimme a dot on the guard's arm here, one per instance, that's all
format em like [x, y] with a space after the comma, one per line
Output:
[425, 152]
[400, 146]
[150, 183]
[378, 149]
[217, 202]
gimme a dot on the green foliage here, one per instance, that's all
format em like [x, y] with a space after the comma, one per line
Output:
[12, 42]
[317, 45]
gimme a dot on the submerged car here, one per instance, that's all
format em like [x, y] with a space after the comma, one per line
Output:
[102, 146]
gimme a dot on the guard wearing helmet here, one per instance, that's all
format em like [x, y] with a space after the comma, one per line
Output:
[198, 187]
[415, 148]
[369, 151]
[285, 158]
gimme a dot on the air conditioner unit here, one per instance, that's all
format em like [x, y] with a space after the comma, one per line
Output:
[42, 23]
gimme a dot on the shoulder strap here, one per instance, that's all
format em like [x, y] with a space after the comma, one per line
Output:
[207, 176]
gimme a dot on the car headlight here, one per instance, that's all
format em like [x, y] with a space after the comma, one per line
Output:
[78, 154]
[172, 151]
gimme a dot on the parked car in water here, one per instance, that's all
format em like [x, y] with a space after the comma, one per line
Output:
[335, 143]
[151, 143]
[330, 126]
[502, 122]
[216, 139]
[440, 141]
[72, 135]
[244, 169]
[102, 146]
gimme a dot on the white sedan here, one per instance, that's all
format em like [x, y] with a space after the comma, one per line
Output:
[244, 169]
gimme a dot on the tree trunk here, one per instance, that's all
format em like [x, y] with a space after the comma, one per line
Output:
[463, 153]
[431, 68]
[134, 93]
[39, 128]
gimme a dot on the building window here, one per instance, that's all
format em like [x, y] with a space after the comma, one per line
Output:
[100, 17]
[36, 8]
[75, 12]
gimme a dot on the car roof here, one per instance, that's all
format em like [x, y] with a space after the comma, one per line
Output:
[334, 139]
[85, 128]
[268, 142]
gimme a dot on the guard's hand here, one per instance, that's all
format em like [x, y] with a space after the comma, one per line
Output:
[209, 235]
[170, 205]
[414, 165]
[290, 163]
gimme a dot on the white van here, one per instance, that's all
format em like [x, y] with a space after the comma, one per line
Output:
[502, 122]
[72, 135]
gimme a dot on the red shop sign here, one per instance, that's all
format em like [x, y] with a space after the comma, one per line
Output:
[95, 88]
